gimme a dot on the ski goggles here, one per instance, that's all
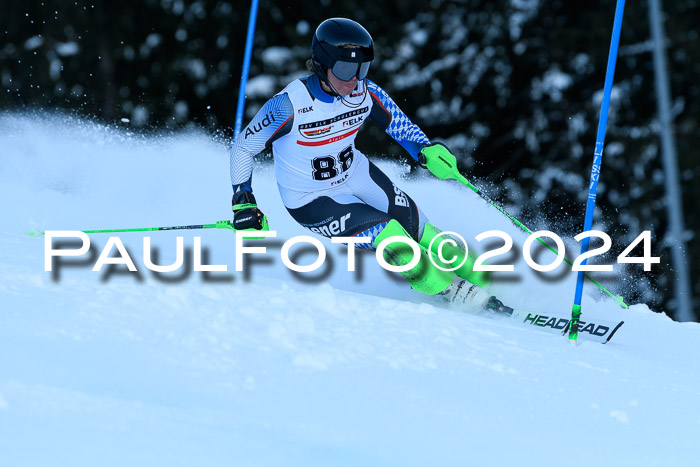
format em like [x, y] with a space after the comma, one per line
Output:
[344, 71]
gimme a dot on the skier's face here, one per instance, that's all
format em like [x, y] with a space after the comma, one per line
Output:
[343, 88]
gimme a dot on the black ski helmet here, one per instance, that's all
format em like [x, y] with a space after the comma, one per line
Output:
[342, 40]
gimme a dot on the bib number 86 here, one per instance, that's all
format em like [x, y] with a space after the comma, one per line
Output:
[327, 167]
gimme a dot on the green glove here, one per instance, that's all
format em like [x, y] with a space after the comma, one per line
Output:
[440, 161]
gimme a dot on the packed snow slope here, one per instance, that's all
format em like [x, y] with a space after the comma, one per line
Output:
[266, 367]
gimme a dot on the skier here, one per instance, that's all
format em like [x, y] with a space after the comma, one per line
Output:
[328, 185]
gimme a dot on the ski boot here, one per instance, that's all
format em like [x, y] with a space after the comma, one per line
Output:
[461, 291]
[494, 305]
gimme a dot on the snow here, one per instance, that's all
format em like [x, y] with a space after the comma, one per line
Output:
[552, 85]
[67, 49]
[114, 368]
[262, 85]
[523, 11]
[276, 55]
[34, 42]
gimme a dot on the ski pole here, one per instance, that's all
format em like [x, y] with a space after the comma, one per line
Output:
[225, 224]
[218, 225]
[444, 166]
[597, 159]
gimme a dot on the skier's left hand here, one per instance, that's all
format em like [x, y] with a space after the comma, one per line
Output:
[439, 160]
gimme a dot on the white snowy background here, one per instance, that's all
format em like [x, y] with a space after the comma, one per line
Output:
[331, 368]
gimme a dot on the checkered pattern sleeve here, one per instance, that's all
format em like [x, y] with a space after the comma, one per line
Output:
[389, 116]
[272, 121]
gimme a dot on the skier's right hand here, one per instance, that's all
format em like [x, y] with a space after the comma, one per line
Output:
[246, 215]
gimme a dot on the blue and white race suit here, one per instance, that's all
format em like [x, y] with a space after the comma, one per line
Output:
[325, 182]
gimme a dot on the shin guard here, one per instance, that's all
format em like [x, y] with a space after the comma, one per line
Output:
[466, 271]
[423, 277]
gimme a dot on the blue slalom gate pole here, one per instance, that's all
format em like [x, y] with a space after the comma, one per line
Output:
[597, 160]
[246, 67]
